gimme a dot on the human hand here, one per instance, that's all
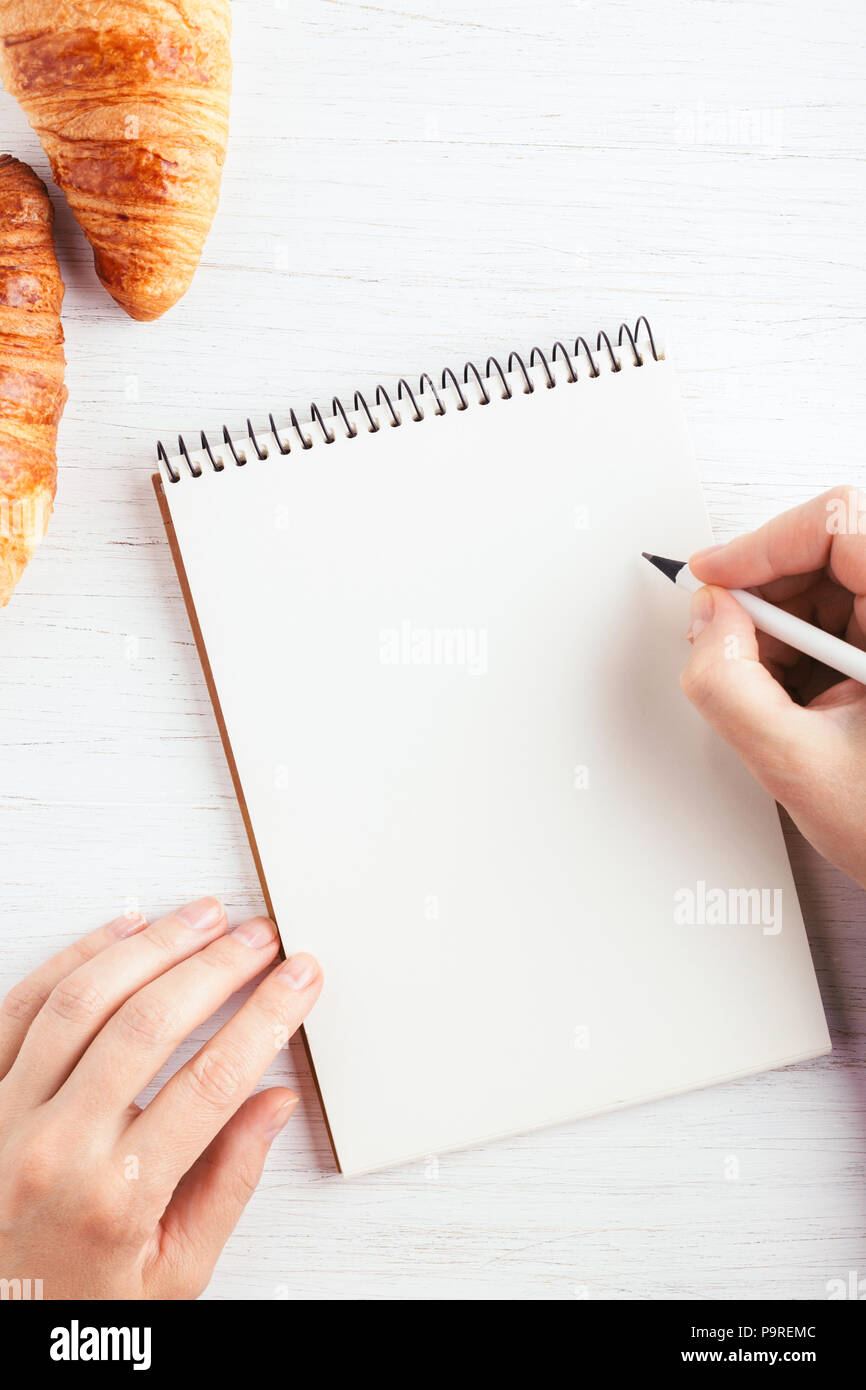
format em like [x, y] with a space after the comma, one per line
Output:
[99, 1198]
[798, 727]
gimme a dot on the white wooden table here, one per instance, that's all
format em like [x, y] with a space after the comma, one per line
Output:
[407, 187]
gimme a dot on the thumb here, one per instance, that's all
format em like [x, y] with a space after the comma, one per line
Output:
[725, 681]
[209, 1200]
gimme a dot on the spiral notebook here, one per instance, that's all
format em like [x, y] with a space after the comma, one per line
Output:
[447, 684]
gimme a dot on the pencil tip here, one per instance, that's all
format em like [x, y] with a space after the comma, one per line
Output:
[671, 568]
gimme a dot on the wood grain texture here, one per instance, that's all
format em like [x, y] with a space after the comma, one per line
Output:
[405, 188]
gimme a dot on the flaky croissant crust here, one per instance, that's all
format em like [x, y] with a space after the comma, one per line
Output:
[130, 99]
[32, 364]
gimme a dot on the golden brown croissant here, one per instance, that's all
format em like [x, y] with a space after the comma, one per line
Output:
[130, 99]
[32, 393]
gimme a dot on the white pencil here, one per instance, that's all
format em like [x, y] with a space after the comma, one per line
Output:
[813, 641]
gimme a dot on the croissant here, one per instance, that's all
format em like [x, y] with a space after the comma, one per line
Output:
[32, 393]
[130, 99]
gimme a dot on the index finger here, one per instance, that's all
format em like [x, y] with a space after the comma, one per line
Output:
[824, 533]
[192, 1107]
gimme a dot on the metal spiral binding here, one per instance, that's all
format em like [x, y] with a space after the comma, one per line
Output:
[494, 373]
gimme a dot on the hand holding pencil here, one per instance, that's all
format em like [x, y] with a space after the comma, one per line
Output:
[798, 726]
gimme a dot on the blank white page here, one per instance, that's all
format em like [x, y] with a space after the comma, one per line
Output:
[450, 684]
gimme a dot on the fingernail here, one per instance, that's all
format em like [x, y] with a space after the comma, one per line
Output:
[298, 971]
[703, 608]
[281, 1118]
[207, 912]
[259, 931]
[127, 924]
[707, 550]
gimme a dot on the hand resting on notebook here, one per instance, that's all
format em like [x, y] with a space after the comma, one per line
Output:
[798, 727]
[99, 1199]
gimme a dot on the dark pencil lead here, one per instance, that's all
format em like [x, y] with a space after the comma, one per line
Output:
[669, 567]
